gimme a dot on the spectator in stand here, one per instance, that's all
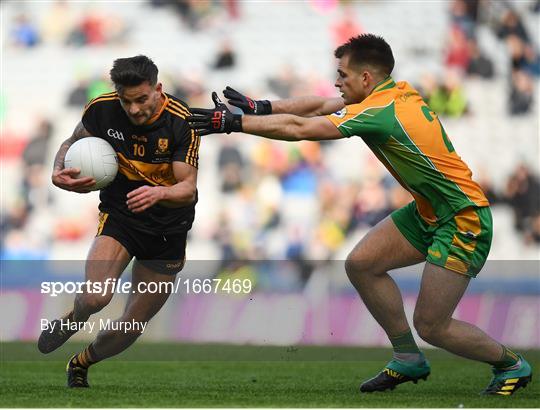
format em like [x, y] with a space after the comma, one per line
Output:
[523, 195]
[88, 89]
[464, 16]
[446, 99]
[523, 55]
[479, 64]
[331, 230]
[36, 151]
[57, 22]
[305, 163]
[533, 234]
[511, 24]
[92, 27]
[231, 166]
[97, 29]
[24, 33]
[34, 188]
[193, 13]
[295, 251]
[224, 237]
[486, 183]
[372, 201]
[15, 219]
[89, 31]
[78, 96]
[98, 86]
[282, 83]
[521, 93]
[225, 58]
[532, 61]
[456, 103]
[473, 9]
[457, 52]
[187, 85]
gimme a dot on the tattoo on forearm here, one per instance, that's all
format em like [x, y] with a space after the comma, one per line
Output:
[78, 133]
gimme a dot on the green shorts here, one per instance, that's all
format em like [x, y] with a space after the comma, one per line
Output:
[461, 244]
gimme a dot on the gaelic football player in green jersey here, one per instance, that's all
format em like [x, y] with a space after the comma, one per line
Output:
[448, 225]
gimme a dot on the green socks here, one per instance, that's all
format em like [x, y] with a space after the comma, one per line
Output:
[405, 348]
[507, 360]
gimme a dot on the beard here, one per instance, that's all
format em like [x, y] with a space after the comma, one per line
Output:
[142, 118]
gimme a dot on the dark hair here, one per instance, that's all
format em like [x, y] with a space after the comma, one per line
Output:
[133, 71]
[368, 49]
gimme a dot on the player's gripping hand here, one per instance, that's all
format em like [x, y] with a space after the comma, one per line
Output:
[246, 104]
[216, 120]
[144, 197]
[67, 179]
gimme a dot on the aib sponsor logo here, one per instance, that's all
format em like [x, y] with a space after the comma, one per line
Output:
[341, 113]
[115, 134]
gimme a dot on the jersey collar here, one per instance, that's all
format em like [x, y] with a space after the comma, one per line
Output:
[157, 114]
[385, 84]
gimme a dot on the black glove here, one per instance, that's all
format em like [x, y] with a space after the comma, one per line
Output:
[246, 104]
[217, 120]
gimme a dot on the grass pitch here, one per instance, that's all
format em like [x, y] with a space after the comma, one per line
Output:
[182, 375]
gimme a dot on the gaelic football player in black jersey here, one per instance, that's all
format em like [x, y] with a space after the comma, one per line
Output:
[145, 213]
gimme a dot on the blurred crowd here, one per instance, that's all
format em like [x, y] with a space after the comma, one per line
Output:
[64, 24]
[200, 14]
[465, 57]
[278, 201]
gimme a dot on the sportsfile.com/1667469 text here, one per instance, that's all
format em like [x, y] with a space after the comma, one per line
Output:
[187, 285]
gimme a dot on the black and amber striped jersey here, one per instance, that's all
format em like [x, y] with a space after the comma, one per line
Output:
[145, 157]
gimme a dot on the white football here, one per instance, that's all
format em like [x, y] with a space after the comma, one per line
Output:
[95, 158]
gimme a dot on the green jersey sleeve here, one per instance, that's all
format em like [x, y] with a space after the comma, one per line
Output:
[365, 120]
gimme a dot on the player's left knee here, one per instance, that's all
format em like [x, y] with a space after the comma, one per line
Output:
[429, 329]
[358, 265]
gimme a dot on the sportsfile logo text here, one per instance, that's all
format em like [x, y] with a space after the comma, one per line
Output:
[188, 286]
[103, 288]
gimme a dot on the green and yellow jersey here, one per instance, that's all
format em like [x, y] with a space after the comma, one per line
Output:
[410, 141]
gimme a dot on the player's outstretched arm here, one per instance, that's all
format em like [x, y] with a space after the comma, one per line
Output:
[285, 127]
[66, 178]
[288, 127]
[178, 195]
[309, 106]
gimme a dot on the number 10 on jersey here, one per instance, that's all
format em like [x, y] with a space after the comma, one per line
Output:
[138, 150]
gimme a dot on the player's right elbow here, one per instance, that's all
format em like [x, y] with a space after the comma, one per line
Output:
[192, 195]
[299, 131]
[189, 196]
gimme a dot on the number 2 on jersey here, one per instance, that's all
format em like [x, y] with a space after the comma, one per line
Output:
[428, 114]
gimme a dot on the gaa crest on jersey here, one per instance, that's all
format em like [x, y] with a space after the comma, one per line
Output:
[163, 146]
[341, 113]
